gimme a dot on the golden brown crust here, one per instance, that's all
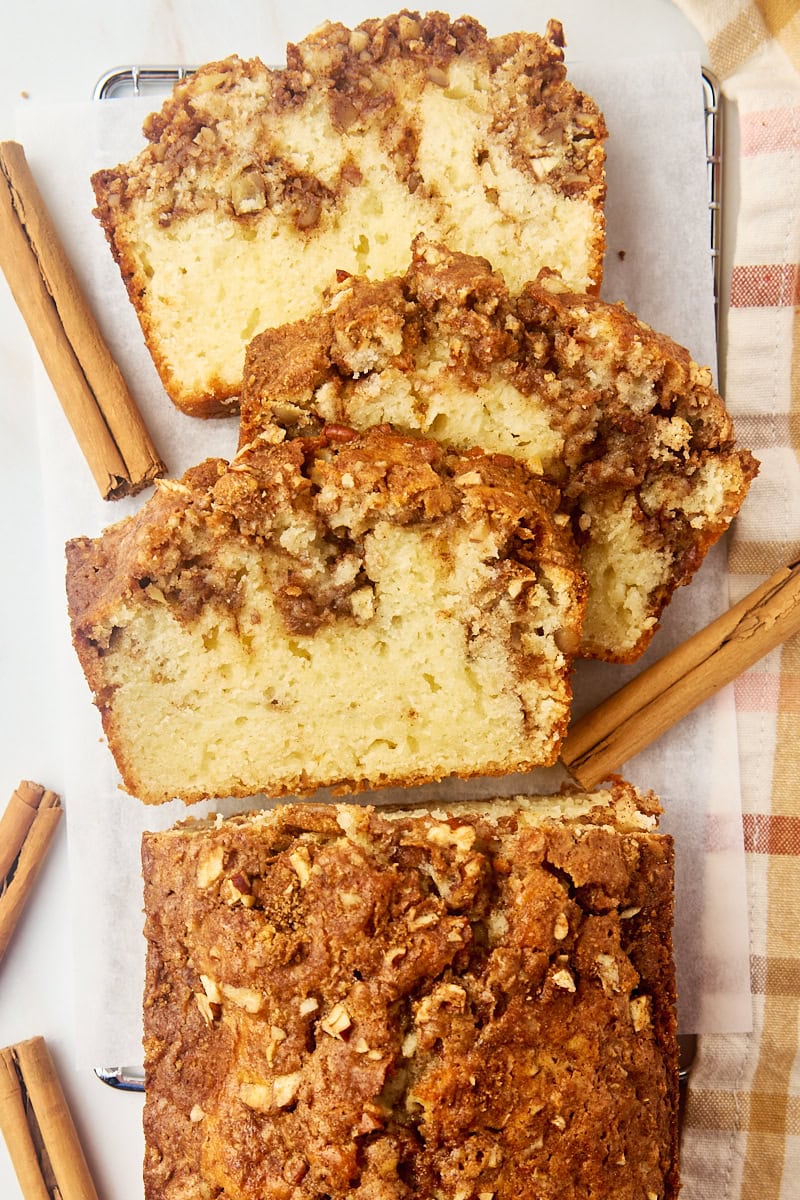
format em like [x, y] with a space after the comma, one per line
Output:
[346, 1004]
[218, 146]
[635, 417]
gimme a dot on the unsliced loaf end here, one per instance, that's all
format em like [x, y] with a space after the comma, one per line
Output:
[475, 1001]
[617, 415]
[347, 610]
[260, 184]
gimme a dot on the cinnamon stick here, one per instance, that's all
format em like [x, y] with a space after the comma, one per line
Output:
[26, 831]
[17, 1132]
[89, 384]
[598, 744]
[38, 1128]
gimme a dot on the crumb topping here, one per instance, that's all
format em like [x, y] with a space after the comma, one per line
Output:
[335, 162]
[224, 140]
[616, 415]
[421, 1006]
[627, 402]
[310, 502]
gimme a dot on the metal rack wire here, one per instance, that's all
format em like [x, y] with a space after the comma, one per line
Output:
[714, 133]
[125, 82]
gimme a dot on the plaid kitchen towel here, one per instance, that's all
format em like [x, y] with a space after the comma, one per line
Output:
[741, 1138]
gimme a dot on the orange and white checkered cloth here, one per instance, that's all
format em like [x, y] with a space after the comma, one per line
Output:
[741, 1138]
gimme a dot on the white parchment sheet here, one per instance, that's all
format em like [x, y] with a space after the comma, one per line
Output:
[658, 261]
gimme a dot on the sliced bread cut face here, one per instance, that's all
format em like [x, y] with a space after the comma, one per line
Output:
[618, 416]
[260, 184]
[349, 611]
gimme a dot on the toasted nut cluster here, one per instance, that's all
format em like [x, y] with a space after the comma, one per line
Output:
[337, 1022]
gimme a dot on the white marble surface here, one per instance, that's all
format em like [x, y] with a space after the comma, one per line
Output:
[51, 51]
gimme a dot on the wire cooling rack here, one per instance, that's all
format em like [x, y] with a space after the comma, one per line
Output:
[125, 82]
[713, 109]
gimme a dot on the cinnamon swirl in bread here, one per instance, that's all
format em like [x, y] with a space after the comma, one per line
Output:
[618, 416]
[260, 184]
[347, 610]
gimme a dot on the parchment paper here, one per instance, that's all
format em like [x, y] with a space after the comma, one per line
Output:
[658, 261]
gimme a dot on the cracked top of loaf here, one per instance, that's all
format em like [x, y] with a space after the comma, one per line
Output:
[617, 415]
[365, 138]
[470, 1002]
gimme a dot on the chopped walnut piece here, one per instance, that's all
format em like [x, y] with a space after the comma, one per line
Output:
[564, 979]
[337, 1021]
[285, 1088]
[640, 1012]
[371, 1119]
[236, 890]
[210, 865]
[407, 28]
[423, 920]
[445, 994]
[302, 864]
[409, 1045]
[393, 954]
[243, 997]
[497, 926]
[256, 1095]
[460, 836]
[468, 479]
[248, 193]
[608, 970]
[277, 1035]
[206, 1010]
[211, 989]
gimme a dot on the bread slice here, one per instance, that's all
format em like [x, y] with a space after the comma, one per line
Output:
[345, 610]
[259, 184]
[470, 1002]
[618, 416]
